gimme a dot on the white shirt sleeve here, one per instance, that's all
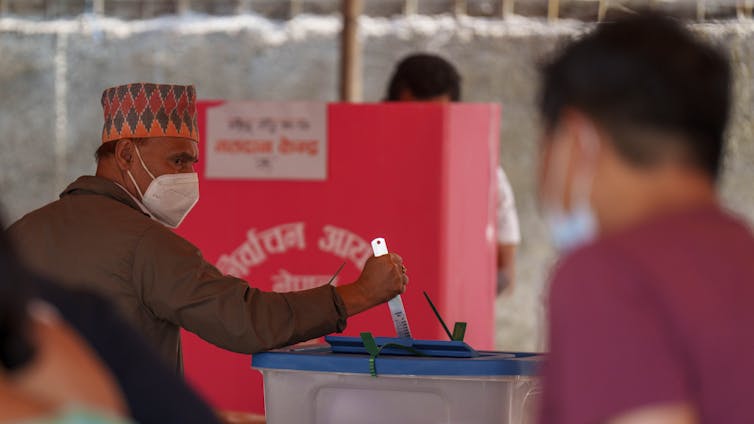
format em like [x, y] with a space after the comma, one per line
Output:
[508, 231]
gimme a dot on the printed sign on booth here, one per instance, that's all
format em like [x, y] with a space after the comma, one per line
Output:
[267, 141]
[258, 246]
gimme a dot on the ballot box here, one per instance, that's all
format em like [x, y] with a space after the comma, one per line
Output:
[291, 191]
[323, 386]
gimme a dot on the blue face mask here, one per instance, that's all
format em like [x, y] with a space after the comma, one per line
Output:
[570, 230]
[574, 228]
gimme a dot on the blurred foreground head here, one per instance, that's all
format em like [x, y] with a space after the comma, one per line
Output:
[424, 77]
[15, 346]
[634, 115]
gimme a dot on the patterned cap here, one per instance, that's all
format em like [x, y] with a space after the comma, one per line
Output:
[143, 110]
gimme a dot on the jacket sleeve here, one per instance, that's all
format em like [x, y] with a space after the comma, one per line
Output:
[177, 285]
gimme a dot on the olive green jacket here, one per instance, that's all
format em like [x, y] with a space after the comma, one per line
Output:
[97, 237]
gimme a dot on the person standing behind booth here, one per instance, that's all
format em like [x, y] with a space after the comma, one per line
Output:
[425, 77]
[110, 233]
[650, 305]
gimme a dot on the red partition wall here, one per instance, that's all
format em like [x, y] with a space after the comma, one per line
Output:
[421, 175]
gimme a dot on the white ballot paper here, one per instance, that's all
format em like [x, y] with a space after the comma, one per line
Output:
[395, 304]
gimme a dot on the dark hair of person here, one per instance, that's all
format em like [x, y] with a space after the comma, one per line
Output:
[646, 74]
[425, 76]
[15, 345]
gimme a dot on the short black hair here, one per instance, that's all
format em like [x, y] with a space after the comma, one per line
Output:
[645, 73]
[425, 76]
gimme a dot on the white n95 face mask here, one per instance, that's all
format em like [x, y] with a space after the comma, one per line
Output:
[570, 229]
[170, 197]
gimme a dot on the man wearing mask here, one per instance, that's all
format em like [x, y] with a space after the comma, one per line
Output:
[423, 77]
[650, 305]
[110, 233]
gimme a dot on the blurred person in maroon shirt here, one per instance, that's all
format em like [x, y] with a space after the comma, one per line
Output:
[650, 306]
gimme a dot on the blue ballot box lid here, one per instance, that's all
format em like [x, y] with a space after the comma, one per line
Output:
[439, 358]
[404, 346]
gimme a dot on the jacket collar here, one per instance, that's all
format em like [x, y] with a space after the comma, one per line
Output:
[89, 184]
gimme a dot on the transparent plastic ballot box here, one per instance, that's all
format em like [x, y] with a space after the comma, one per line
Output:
[432, 382]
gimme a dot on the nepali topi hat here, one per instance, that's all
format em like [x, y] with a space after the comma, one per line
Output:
[145, 110]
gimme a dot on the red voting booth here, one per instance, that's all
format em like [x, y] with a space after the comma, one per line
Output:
[420, 175]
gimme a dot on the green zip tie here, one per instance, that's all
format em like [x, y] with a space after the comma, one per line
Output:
[459, 331]
[374, 351]
[371, 346]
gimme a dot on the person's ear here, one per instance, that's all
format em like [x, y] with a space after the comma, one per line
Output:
[583, 131]
[588, 138]
[124, 153]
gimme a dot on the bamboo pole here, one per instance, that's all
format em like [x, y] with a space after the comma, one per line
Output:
[553, 10]
[701, 10]
[507, 6]
[147, 9]
[602, 11]
[183, 6]
[350, 54]
[459, 7]
[295, 8]
[98, 7]
[244, 6]
[411, 7]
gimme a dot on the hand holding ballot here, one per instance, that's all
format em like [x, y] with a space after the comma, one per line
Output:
[382, 279]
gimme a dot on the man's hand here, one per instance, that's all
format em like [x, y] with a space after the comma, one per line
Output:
[382, 279]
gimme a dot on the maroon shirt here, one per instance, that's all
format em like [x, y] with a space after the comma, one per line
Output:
[663, 312]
